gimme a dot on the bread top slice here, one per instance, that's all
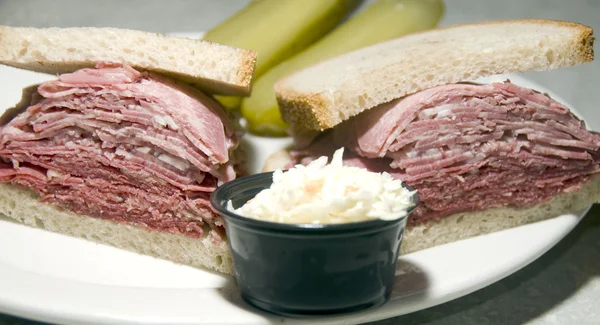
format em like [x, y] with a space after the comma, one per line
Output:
[322, 96]
[213, 67]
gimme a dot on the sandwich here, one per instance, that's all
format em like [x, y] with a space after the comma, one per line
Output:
[483, 156]
[126, 144]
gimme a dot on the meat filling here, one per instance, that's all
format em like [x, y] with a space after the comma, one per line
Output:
[123, 145]
[469, 147]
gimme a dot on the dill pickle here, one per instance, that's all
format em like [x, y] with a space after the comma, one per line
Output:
[382, 20]
[277, 29]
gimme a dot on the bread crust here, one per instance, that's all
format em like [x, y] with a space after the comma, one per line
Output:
[213, 67]
[324, 95]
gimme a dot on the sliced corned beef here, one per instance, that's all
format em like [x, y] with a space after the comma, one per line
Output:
[469, 147]
[124, 145]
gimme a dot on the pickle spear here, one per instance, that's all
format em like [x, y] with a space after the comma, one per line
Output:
[277, 29]
[383, 20]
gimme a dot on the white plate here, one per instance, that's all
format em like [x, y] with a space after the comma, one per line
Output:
[58, 279]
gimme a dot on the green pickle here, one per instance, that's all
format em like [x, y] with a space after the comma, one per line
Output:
[277, 29]
[383, 20]
[230, 103]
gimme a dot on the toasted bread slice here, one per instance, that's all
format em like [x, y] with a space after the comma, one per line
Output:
[212, 67]
[330, 92]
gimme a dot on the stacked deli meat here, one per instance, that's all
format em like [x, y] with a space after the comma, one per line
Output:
[123, 145]
[469, 147]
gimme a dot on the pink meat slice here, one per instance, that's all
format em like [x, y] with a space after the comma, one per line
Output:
[469, 147]
[119, 144]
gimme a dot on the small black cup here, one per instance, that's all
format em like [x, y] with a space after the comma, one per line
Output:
[306, 269]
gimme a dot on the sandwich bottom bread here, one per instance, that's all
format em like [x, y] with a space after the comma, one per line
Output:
[23, 205]
[484, 157]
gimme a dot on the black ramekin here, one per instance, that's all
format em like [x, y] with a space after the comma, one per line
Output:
[306, 269]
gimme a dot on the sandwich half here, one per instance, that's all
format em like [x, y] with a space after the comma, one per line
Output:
[126, 145]
[484, 157]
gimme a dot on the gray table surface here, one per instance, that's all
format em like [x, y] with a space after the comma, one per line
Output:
[562, 287]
